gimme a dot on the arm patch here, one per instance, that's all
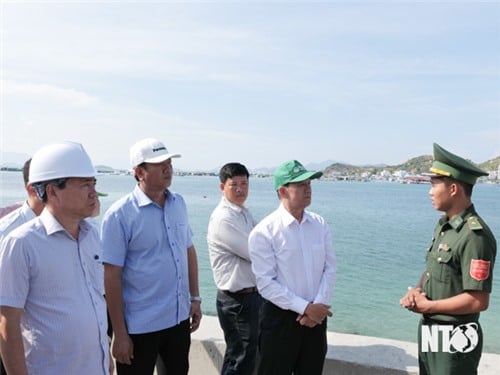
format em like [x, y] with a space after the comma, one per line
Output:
[480, 269]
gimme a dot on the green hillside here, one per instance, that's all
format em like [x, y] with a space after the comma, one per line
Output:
[414, 166]
[490, 165]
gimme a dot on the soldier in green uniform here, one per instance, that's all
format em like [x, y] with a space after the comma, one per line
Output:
[456, 284]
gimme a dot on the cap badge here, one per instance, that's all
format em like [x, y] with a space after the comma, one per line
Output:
[440, 172]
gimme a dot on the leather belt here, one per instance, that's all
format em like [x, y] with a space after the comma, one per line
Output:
[248, 290]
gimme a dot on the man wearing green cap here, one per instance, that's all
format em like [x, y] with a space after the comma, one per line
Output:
[456, 284]
[294, 265]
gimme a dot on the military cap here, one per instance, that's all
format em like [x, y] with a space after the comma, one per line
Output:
[446, 164]
[292, 171]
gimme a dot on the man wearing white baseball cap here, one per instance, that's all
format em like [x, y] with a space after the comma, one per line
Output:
[151, 270]
[52, 310]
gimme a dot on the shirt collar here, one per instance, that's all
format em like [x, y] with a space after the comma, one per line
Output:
[231, 205]
[27, 211]
[289, 219]
[144, 200]
[458, 221]
[53, 226]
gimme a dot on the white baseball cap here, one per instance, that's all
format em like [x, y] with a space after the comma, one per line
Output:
[149, 150]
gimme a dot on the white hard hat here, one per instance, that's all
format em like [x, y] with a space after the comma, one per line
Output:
[59, 160]
[149, 150]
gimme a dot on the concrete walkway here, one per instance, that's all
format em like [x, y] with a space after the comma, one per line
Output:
[347, 354]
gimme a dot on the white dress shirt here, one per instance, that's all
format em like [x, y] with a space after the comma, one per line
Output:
[294, 263]
[14, 219]
[227, 239]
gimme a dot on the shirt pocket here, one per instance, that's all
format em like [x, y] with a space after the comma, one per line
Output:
[95, 273]
[181, 235]
[442, 268]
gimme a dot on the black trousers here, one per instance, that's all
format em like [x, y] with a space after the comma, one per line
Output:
[171, 345]
[286, 347]
[239, 318]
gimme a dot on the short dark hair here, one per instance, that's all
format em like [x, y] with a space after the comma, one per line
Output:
[41, 187]
[26, 171]
[465, 186]
[143, 166]
[231, 170]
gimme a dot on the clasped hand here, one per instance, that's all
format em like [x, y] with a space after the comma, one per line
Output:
[314, 314]
[415, 300]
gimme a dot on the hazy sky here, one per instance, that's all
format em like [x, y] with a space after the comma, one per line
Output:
[258, 82]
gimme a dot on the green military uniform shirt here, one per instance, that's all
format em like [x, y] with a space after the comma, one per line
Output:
[460, 258]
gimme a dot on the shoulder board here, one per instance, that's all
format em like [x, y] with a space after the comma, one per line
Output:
[473, 223]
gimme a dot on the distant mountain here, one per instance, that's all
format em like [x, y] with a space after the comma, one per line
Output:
[10, 166]
[417, 165]
[13, 159]
[262, 170]
[104, 169]
[348, 169]
[422, 164]
[319, 166]
[310, 167]
[491, 165]
[414, 166]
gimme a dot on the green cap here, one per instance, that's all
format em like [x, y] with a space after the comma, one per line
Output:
[292, 171]
[99, 194]
[447, 164]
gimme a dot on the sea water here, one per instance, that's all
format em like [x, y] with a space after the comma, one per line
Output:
[380, 231]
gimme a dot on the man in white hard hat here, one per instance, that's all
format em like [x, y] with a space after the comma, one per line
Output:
[151, 270]
[52, 310]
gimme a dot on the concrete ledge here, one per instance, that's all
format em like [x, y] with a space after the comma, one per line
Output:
[347, 354]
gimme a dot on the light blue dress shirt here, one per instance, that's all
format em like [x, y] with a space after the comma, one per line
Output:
[150, 242]
[58, 281]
